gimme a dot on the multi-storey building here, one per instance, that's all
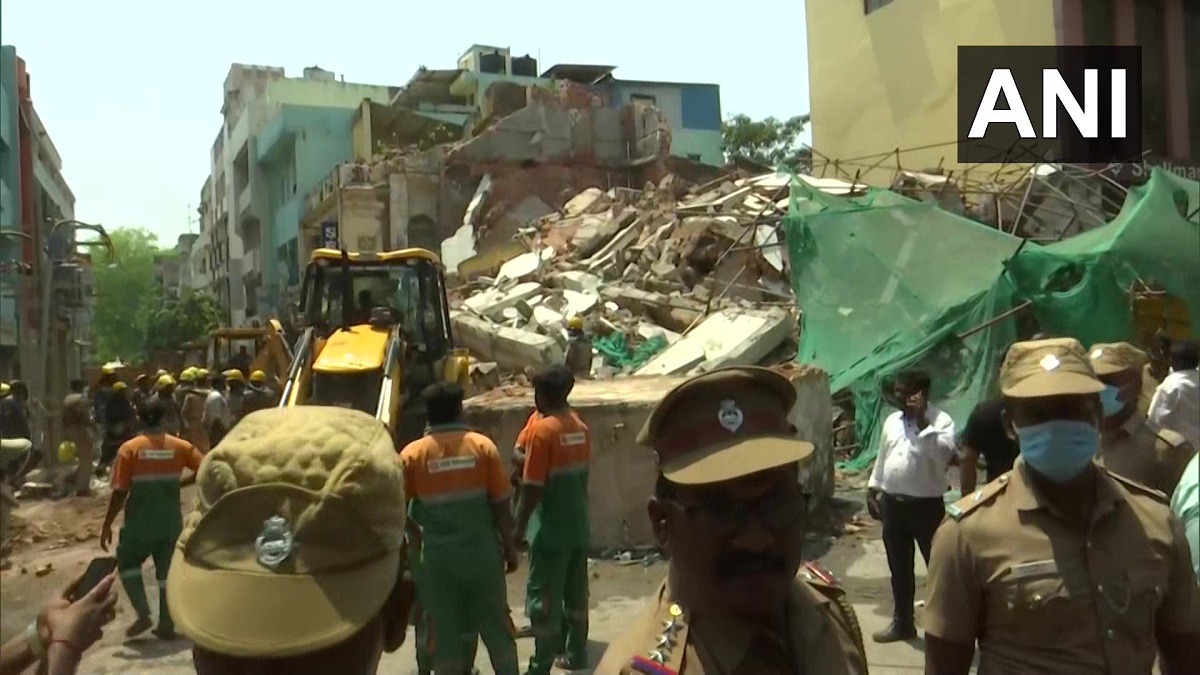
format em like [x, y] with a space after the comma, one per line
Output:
[280, 135]
[283, 137]
[882, 73]
[34, 196]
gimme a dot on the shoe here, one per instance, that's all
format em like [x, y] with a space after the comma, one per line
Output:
[138, 627]
[895, 633]
[165, 635]
[564, 663]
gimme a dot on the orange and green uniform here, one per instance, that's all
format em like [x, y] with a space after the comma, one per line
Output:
[148, 467]
[453, 477]
[558, 450]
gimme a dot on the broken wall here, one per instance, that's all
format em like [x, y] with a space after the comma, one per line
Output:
[813, 419]
[622, 473]
[546, 131]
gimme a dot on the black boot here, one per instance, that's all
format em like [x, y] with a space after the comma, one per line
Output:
[897, 631]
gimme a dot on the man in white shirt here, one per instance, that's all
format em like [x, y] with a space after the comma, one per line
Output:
[906, 490]
[1176, 402]
[218, 418]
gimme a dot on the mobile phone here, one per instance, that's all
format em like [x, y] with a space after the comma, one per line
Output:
[97, 569]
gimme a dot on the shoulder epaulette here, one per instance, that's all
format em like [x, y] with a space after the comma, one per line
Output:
[1171, 438]
[1138, 488]
[983, 495]
[821, 579]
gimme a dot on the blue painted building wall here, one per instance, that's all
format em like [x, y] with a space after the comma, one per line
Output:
[692, 110]
[296, 150]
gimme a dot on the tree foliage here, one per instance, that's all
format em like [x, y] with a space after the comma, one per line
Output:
[175, 321]
[770, 141]
[123, 291]
[133, 314]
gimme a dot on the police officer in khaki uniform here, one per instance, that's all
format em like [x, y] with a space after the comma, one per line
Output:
[78, 427]
[729, 510]
[1128, 445]
[1059, 566]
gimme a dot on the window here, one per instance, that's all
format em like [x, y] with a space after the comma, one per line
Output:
[644, 98]
[872, 5]
[694, 157]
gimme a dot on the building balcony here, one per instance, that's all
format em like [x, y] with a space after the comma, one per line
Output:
[316, 201]
[251, 265]
[245, 202]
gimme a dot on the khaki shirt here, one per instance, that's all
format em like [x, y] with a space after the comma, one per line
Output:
[1041, 596]
[1137, 452]
[77, 412]
[820, 640]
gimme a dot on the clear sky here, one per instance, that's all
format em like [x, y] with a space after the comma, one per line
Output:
[130, 90]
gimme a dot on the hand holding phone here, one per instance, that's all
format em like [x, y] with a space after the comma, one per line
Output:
[97, 570]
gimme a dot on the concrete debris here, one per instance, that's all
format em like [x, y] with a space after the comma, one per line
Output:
[682, 280]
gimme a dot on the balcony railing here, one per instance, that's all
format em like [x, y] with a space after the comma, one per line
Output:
[244, 201]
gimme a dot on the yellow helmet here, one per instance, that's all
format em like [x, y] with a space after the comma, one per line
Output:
[234, 375]
[201, 373]
[119, 386]
[188, 375]
[66, 452]
[575, 322]
[258, 376]
[4, 388]
[164, 381]
[107, 370]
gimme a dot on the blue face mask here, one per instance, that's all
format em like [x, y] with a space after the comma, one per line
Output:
[1110, 398]
[1060, 449]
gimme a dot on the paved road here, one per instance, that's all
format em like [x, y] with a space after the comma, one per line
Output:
[862, 569]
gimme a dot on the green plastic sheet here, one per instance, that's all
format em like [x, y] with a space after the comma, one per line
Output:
[616, 352]
[885, 283]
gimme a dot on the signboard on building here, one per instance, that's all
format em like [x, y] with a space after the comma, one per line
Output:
[329, 235]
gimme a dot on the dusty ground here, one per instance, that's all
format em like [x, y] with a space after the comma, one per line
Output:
[63, 535]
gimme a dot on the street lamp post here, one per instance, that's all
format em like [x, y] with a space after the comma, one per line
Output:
[47, 296]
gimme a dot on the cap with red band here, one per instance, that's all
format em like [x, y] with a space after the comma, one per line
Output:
[725, 424]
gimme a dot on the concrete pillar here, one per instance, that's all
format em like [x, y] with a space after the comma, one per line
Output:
[1068, 22]
[1175, 58]
[1124, 23]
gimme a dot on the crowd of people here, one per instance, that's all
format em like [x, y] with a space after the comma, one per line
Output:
[1080, 552]
[314, 541]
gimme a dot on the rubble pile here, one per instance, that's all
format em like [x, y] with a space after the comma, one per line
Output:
[670, 280]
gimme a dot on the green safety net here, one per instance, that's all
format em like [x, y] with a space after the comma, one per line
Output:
[886, 283]
[1080, 286]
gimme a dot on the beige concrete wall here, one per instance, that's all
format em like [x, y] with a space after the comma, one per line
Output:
[888, 79]
[622, 472]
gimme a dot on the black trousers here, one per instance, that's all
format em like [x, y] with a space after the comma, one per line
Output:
[908, 521]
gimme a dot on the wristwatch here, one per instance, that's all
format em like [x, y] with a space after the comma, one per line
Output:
[33, 638]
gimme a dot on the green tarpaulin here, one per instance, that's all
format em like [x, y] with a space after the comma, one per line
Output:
[885, 283]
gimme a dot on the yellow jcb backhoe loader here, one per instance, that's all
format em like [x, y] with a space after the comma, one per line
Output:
[376, 332]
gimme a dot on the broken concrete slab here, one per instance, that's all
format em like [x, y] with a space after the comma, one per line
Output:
[621, 474]
[517, 349]
[580, 281]
[511, 348]
[578, 303]
[729, 337]
[591, 200]
[493, 301]
[594, 231]
[525, 265]
[813, 418]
